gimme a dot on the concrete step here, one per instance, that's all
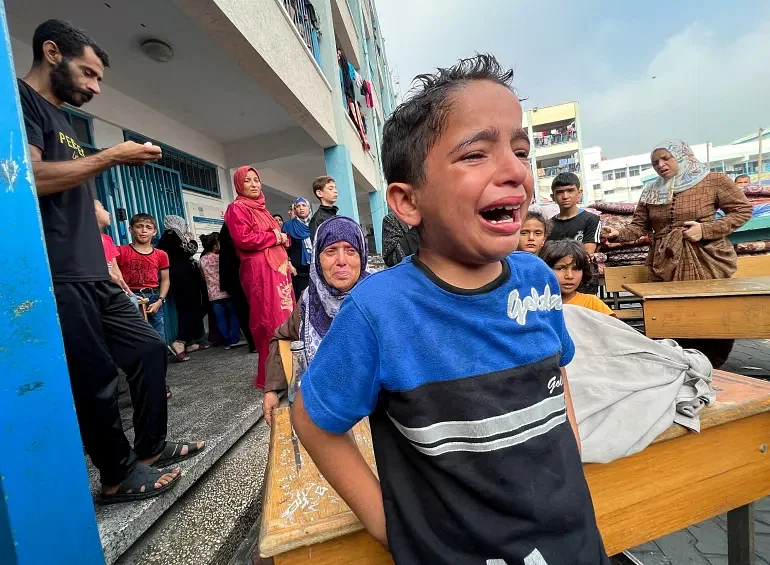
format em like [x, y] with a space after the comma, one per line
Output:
[214, 400]
[209, 523]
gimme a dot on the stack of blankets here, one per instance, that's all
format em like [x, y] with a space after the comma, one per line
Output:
[759, 198]
[615, 254]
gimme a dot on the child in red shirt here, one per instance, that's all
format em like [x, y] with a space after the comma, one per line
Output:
[110, 251]
[145, 269]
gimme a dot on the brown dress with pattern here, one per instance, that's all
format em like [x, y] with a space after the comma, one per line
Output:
[674, 258]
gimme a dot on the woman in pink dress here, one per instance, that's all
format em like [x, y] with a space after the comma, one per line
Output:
[265, 275]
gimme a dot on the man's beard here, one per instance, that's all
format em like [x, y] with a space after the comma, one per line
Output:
[64, 88]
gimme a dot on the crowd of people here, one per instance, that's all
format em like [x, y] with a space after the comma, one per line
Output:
[456, 353]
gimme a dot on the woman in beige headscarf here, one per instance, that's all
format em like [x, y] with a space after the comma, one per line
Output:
[688, 242]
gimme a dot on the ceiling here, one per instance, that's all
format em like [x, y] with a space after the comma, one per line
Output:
[202, 87]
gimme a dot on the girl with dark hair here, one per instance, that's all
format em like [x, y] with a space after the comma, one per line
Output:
[221, 302]
[569, 261]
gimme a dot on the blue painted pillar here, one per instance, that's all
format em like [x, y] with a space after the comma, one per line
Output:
[46, 509]
[379, 208]
[338, 165]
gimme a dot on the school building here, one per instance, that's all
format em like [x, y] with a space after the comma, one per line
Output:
[557, 144]
[623, 178]
[223, 83]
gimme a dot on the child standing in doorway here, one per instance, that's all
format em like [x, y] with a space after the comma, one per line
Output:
[224, 308]
[111, 252]
[146, 269]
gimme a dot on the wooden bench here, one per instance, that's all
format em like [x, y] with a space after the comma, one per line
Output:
[681, 479]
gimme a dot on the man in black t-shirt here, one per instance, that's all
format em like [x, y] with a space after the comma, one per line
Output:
[101, 329]
[572, 222]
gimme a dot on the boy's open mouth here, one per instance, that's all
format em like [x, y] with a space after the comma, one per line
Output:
[501, 214]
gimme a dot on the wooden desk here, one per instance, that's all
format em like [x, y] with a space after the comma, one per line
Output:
[681, 479]
[720, 308]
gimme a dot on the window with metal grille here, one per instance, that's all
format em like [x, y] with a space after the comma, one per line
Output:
[83, 127]
[197, 175]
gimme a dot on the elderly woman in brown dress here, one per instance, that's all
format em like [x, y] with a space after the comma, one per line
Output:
[688, 242]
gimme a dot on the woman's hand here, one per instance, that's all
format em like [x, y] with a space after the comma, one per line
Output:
[270, 402]
[610, 233]
[694, 231]
[292, 270]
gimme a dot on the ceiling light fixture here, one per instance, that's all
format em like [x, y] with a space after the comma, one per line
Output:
[157, 50]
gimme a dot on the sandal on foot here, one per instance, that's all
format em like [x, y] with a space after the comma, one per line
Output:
[172, 453]
[181, 357]
[139, 485]
[168, 392]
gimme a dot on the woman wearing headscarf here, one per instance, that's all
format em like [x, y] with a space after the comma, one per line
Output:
[265, 276]
[678, 212]
[301, 248]
[338, 264]
[398, 240]
[187, 285]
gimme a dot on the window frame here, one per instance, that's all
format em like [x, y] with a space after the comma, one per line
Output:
[69, 112]
[129, 135]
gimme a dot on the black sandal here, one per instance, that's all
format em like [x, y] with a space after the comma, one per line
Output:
[172, 450]
[140, 485]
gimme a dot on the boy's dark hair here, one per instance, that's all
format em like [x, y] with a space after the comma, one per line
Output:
[565, 179]
[537, 215]
[742, 177]
[142, 217]
[320, 183]
[278, 216]
[209, 241]
[554, 251]
[70, 40]
[417, 123]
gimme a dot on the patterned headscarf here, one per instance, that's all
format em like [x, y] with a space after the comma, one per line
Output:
[691, 172]
[321, 301]
[178, 225]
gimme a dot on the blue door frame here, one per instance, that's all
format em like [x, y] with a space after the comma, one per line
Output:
[46, 508]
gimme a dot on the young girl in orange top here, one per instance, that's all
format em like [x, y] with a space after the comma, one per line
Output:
[569, 261]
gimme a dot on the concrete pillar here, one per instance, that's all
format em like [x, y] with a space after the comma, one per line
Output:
[46, 509]
[338, 165]
[379, 208]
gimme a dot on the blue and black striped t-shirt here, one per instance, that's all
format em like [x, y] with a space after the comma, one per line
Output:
[476, 458]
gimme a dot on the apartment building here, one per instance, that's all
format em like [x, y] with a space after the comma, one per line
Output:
[624, 177]
[556, 141]
[223, 83]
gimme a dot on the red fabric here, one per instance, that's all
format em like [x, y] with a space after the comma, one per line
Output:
[140, 270]
[110, 251]
[262, 219]
[267, 287]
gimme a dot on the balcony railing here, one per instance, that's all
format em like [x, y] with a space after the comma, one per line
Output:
[553, 171]
[555, 139]
[304, 17]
